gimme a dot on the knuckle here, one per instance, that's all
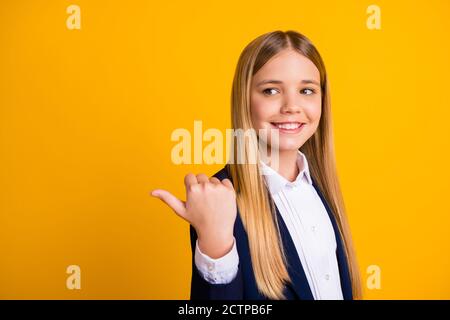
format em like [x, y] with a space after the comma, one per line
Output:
[194, 187]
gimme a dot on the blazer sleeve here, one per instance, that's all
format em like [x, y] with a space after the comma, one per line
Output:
[203, 290]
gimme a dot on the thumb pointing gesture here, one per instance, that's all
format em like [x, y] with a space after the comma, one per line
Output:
[210, 207]
[173, 202]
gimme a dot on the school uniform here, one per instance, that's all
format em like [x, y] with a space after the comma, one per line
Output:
[316, 260]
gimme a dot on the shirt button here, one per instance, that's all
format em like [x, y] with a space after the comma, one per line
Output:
[327, 277]
[210, 267]
[313, 228]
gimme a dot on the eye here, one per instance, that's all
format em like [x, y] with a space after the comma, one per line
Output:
[267, 91]
[309, 90]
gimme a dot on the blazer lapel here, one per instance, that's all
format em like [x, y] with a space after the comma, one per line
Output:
[346, 284]
[296, 272]
[295, 269]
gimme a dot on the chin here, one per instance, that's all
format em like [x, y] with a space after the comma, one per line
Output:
[288, 147]
[295, 148]
[290, 144]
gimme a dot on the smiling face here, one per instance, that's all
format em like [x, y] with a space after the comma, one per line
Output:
[286, 97]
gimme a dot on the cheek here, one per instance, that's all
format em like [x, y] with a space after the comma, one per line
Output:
[260, 111]
[314, 112]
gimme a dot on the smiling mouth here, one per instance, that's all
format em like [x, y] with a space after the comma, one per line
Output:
[288, 126]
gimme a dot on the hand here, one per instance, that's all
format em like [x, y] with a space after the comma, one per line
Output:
[210, 208]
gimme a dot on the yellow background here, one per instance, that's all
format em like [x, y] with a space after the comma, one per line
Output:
[86, 117]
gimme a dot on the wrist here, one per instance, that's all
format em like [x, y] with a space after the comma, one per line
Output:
[216, 247]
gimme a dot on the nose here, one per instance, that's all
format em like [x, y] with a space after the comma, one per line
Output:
[291, 104]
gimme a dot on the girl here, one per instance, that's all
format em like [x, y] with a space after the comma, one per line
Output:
[266, 231]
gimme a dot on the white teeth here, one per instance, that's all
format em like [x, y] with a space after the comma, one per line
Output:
[288, 125]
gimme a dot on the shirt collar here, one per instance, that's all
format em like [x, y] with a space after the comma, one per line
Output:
[276, 182]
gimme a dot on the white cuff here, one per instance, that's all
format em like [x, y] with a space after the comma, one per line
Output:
[217, 271]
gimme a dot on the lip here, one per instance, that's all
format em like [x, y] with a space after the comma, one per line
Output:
[290, 131]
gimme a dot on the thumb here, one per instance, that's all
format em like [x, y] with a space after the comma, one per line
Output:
[173, 202]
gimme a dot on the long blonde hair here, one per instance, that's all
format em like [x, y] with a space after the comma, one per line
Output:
[253, 199]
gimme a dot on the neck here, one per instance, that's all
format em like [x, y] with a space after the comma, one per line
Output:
[288, 168]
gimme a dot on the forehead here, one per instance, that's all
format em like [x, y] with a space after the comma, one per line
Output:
[288, 65]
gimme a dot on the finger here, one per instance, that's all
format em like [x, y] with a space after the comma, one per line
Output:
[214, 180]
[173, 202]
[227, 183]
[202, 178]
[189, 180]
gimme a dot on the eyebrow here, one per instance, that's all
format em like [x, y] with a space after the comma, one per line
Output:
[306, 81]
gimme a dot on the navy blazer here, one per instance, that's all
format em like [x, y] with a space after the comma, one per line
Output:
[244, 285]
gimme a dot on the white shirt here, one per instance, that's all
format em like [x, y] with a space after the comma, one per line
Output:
[309, 225]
